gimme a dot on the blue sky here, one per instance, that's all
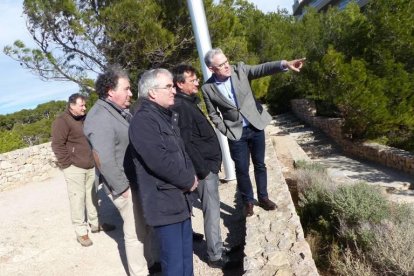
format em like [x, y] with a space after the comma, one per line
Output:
[24, 90]
[273, 5]
[20, 88]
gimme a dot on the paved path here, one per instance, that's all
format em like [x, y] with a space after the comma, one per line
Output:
[320, 148]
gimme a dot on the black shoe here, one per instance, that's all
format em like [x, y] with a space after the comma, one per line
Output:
[155, 268]
[227, 250]
[197, 237]
[106, 227]
[223, 263]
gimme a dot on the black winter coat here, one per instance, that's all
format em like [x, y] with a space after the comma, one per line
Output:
[163, 169]
[199, 137]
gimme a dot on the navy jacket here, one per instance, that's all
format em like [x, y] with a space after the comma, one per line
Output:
[199, 137]
[163, 169]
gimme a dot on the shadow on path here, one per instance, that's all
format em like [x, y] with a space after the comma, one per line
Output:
[108, 213]
[232, 219]
[320, 147]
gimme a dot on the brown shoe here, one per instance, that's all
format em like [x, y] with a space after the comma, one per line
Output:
[106, 227]
[84, 240]
[248, 210]
[267, 204]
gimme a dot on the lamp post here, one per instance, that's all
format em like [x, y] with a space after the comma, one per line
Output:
[202, 36]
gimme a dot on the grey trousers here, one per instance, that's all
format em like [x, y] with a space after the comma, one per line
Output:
[210, 201]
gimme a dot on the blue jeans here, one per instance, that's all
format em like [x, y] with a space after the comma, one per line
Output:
[252, 142]
[176, 248]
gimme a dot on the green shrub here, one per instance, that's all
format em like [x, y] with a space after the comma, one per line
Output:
[352, 227]
[10, 140]
[359, 202]
[314, 187]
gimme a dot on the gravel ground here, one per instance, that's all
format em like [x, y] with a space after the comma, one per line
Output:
[38, 239]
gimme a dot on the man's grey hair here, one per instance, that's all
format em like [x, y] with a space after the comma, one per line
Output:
[149, 80]
[210, 55]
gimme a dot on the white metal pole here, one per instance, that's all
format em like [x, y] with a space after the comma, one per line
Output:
[202, 36]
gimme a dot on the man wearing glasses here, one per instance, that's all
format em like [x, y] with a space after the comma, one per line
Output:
[235, 112]
[203, 147]
[106, 127]
[166, 175]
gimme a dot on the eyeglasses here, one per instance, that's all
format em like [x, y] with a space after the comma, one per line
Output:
[169, 87]
[194, 81]
[221, 65]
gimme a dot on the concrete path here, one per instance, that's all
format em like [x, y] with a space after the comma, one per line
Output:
[320, 148]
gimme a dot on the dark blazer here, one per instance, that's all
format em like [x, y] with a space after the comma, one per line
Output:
[164, 171]
[199, 137]
[230, 123]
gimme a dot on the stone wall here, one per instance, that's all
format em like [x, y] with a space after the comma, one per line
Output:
[275, 244]
[26, 165]
[388, 156]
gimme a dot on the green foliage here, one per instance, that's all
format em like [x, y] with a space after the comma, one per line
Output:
[28, 127]
[357, 93]
[360, 65]
[307, 166]
[353, 227]
[91, 99]
[42, 111]
[10, 140]
[326, 206]
[315, 210]
[281, 90]
[359, 202]
[35, 133]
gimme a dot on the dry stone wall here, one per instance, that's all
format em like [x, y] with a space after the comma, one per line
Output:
[275, 244]
[388, 156]
[26, 165]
